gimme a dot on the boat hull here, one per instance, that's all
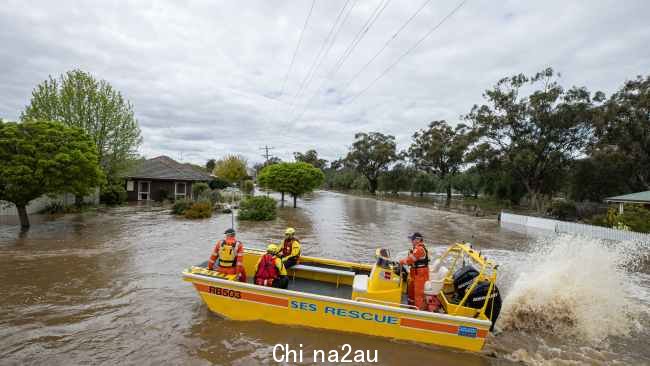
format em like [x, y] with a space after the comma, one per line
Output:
[244, 301]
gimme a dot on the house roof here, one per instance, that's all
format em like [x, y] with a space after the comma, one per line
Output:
[166, 168]
[639, 197]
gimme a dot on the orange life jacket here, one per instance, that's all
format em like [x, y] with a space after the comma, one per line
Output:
[422, 262]
[266, 271]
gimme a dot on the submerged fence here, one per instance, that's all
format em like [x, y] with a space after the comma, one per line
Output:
[556, 226]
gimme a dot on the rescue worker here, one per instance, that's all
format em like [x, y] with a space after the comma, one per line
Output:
[228, 255]
[290, 248]
[270, 271]
[418, 261]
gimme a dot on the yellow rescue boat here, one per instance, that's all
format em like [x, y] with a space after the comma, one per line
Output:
[367, 299]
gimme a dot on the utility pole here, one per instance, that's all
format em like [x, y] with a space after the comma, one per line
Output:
[266, 154]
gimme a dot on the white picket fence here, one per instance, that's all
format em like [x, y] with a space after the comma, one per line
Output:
[556, 226]
[40, 203]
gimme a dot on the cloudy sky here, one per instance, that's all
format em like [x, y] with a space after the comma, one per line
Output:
[214, 77]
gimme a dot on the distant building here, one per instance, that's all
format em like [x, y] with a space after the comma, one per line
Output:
[642, 198]
[162, 178]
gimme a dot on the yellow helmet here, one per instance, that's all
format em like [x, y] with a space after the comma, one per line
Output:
[272, 248]
[290, 231]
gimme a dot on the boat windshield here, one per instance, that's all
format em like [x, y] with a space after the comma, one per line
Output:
[383, 258]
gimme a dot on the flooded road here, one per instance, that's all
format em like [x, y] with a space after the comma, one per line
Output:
[105, 288]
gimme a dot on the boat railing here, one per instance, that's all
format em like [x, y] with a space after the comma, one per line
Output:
[397, 304]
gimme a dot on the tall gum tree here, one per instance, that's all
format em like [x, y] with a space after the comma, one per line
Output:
[440, 150]
[371, 154]
[535, 135]
[623, 129]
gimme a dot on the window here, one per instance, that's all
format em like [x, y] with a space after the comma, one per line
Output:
[143, 191]
[180, 190]
[129, 186]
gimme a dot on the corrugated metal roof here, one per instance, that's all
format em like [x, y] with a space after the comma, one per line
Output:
[164, 167]
[639, 197]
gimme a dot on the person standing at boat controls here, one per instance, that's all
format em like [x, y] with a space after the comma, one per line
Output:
[270, 271]
[418, 261]
[228, 255]
[290, 248]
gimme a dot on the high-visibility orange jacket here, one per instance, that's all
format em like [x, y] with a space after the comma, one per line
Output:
[418, 260]
[228, 255]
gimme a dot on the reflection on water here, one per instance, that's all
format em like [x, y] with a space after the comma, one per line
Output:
[106, 287]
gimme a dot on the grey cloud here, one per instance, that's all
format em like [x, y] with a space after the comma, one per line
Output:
[206, 78]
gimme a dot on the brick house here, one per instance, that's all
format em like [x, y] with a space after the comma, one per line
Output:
[162, 177]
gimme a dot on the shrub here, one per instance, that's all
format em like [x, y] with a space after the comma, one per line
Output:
[113, 194]
[199, 188]
[199, 210]
[260, 208]
[163, 194]
[635, 217]
[180, 206]
[219, 183]
[564, 210]
[247, 187]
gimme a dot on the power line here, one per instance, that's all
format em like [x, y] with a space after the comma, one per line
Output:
[362, 33]
[393, 37]
[348, 51]
[295, 52]
[408, 51]
[318, 60]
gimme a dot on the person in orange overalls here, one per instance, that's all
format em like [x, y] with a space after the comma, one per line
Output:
[418, 261]
[228, 255]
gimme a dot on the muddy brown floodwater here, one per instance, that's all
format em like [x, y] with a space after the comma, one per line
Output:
[105, 288]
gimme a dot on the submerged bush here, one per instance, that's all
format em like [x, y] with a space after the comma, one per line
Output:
[180, 206]
[260, 208]
[113, 194]
[199, 210]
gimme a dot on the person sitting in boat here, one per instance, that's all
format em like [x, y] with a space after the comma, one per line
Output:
[290, 248]
[270, 271]
[418, 261]
[228, 255]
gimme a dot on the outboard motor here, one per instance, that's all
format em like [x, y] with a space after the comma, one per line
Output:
[463, 279]
[477, 297]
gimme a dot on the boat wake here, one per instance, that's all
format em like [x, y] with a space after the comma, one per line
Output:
[575, 290]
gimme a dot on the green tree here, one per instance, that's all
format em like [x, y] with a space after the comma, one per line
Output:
[468, 183]
[210, 164]
[311, 157]
[199, 188]
[44, 158]
[538, 135]
[398, 178]
[623, 129]
[231, 168]
[294, 178]
[77, 99]
[439, 149]
[371, 154]
[424, 182]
